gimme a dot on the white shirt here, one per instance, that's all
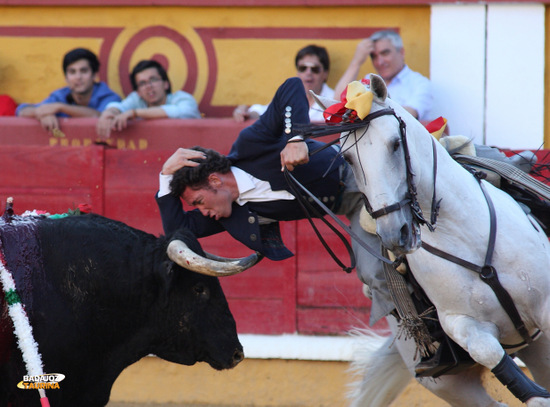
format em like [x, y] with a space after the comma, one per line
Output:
[410, 88]
[179, 105]
[252, 189]
[315, 111]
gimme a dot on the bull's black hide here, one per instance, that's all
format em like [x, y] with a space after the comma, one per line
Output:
[101, 296]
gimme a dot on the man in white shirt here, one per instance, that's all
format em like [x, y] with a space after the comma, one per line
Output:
[152, 98]
[410, 89]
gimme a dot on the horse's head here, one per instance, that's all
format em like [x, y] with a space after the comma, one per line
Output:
[376, 148]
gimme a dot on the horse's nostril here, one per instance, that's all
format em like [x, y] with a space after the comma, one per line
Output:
[404, 237]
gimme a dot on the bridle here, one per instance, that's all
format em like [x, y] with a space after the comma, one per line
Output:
[488, 274]
[409, 199]
[411, 196]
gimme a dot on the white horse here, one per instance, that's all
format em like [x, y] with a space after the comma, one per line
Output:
[467, 307]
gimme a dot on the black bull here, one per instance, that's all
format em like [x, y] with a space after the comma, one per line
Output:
[100, 296]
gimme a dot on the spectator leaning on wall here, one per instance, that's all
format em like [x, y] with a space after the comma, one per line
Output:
[152, 98]
[82, 97]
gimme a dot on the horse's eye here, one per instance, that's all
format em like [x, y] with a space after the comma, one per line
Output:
[396, 145]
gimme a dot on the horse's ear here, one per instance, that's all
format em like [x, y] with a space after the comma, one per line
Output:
[378, 87]
[322, 101]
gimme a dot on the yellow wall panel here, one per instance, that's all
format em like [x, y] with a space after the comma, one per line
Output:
[223, 56]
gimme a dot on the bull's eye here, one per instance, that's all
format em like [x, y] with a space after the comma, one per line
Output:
[200, 290]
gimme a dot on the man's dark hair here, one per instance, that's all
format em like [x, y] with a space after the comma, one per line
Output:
[80, 53]
[146, 64]
[319, 52]
[197, 177]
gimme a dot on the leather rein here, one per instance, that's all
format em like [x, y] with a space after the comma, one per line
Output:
[487, 272]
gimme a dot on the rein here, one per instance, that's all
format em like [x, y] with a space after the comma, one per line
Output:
[293, 182]
[308, 208]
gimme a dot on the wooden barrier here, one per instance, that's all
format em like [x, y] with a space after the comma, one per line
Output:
[307, 293]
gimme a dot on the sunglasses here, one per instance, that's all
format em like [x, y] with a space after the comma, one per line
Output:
[314, 69]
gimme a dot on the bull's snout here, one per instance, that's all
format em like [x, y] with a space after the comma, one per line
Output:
[238, 357]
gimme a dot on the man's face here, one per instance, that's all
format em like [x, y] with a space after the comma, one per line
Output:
[213, 201]
[387, 60]
[151, 87]
[311, 72]
[79, 77]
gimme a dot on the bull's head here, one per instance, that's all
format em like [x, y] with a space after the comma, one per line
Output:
[210, 265]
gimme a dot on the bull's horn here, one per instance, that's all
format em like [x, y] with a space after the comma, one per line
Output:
[214, 266]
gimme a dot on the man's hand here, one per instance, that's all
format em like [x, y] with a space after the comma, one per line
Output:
[363, 50]
[49, 122]
[105, 123]
[241, 114]
[120, 122]
[181, 158]
[294, 154]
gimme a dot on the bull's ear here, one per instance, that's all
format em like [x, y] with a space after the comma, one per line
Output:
[322, 101]
[378, 87]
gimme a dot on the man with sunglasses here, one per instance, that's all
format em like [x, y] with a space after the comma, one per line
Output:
[152, 98]
[312, 67]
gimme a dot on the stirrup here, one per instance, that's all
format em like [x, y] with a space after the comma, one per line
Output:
[448, 359]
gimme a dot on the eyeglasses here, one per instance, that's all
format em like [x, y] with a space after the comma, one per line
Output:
[151, 81]
[314, 68]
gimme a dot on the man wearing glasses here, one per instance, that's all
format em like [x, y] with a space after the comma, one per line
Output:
[312, 67]
[152, 98]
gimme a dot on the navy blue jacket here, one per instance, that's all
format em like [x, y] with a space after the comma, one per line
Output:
[257, 151]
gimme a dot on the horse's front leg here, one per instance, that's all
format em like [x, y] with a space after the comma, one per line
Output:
[480, 340]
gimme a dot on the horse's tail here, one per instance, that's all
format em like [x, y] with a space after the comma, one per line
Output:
[383, 373]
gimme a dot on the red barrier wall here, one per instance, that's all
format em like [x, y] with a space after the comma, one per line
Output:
[307, 293]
